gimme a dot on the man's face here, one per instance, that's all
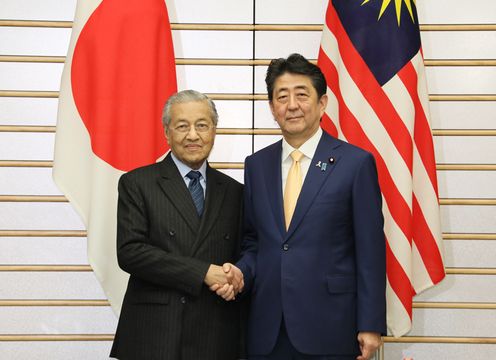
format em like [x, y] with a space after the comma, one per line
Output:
[296, 107]
[191, 132]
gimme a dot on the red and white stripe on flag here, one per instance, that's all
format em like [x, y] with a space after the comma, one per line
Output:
[391, 121]
[119, 71]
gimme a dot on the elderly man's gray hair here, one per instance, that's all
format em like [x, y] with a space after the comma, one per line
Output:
[184, 97]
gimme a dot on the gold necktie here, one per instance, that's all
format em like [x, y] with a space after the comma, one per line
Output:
[293, 187]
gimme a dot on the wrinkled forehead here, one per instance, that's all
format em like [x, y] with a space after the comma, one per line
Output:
[191, 111]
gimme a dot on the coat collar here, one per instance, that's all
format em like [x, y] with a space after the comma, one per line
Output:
[173, 186]
[272, 173]
[318, 173]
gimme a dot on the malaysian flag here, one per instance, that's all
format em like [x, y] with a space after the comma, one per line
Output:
[372, 59]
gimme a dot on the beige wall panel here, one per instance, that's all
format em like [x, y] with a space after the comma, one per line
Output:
[28, 111]
[276, 44]
[289, 12]
[465, 149]
[210, 11]
[213, 44]
[262, 141]
[467, 184]
[461, 80]
[39, 216]
[30, 76]
[231, 148]
[260, 73]
[34, 41]
[459, 44]
[27, 181]
[234, 114]
[50, 285]
[57, 320]
[469, 253]
[453, 322]
[237, 174]
[58, 350]
[60, 10]
[468, 219]
[456, 11]
[463, 115]
[215, 79]
[26, 146]
[43, 250]
[462, 288]
[263, 116]
[439, 351]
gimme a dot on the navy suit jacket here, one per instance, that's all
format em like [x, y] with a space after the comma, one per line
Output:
[326, 275]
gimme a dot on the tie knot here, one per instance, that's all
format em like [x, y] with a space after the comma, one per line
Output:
[296, 155]
[193, 175]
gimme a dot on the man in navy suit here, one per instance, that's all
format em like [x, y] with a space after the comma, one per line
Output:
[316, 271]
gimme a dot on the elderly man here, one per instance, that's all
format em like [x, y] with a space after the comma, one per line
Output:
[177, 219]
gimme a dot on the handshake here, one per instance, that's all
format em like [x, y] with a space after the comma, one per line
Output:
[226, 280]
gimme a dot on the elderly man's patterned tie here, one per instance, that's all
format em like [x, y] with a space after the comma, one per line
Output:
[196, 190]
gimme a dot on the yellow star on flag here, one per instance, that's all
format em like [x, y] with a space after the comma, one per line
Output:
[397, 3]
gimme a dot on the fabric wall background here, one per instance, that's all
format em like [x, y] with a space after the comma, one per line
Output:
[52, 307]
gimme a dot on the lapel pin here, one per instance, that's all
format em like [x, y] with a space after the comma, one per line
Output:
[331, 160]
[321, 165]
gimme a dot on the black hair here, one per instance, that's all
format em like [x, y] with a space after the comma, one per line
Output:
[295, 64]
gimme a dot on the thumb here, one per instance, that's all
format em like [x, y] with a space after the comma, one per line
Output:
[226, 267]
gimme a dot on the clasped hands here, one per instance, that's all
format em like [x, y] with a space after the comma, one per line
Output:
[226, 280]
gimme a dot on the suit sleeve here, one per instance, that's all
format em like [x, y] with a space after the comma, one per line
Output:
[370, 248]
[249, 244]
[139, 258]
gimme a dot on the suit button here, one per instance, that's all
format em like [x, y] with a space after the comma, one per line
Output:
[285, 247]
[172, 233]
[227, 237]
[183, 300]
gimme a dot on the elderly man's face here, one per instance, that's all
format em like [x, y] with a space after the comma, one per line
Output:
[191, 132]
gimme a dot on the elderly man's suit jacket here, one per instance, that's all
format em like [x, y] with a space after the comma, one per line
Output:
[168, 312]
[325, 276]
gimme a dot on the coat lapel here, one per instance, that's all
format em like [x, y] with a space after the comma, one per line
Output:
[272, 173]
[175, 189]
[215, 194]
[315, 178]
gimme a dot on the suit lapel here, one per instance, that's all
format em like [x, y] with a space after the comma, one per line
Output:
[175, 189]
[272, 173]
[215, 194]
[315, 178]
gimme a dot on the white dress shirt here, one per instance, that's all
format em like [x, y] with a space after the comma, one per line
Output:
[308, 149]
[185, 169]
